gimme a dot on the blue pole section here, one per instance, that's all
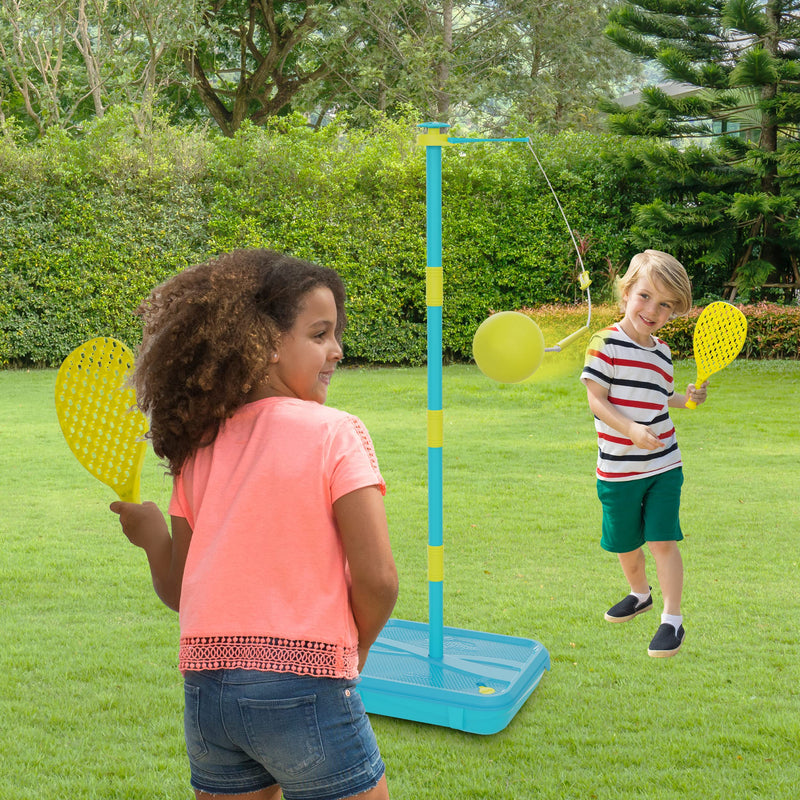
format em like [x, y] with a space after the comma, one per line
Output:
[433, 141]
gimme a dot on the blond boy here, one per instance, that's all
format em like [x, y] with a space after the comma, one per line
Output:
[629, 381]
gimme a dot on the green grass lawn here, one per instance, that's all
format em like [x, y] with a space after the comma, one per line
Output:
[91, 700]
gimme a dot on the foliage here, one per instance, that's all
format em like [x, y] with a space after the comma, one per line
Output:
[250, 59]
[730, 200]
[65, 62]
[87, 229]
[486, 62]
[89, 226]
[773, 331]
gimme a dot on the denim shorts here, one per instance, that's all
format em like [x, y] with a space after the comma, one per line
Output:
[642, 510]
[248, 730]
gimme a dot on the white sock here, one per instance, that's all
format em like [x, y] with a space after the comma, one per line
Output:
[676, 620]
[641, 597]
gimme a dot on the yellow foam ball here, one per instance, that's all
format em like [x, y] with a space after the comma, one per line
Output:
[508, 347]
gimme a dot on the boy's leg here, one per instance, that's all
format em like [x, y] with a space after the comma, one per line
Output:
[639, 600]
[623, 528]
[633, 567]
[669, 568]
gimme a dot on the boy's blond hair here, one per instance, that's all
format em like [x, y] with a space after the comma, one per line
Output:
[662, 269]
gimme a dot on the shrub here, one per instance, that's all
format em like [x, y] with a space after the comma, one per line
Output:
[773, 331]
[89, 226]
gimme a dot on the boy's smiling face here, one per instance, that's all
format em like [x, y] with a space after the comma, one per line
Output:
[648, 307]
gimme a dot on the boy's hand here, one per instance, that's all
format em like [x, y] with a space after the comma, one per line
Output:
[644, 438]
[142, 524]
[697, 395]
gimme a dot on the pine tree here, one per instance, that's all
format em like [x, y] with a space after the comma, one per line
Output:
[728, 184]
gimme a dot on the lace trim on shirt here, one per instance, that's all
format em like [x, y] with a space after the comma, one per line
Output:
[363, 434]
[268, 654]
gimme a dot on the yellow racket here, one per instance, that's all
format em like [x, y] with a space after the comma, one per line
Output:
[718, 338]
[98, 414]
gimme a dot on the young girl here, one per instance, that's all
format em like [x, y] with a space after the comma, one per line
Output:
[279, 557]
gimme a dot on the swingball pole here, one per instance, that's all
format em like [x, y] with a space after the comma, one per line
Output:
[434, 297]
[426, 672]
[433, 139]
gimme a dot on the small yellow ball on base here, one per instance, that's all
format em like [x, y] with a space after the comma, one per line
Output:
[508, 347]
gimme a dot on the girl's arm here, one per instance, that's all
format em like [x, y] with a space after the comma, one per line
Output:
[361, 519]
[145, 526]
[639, 434]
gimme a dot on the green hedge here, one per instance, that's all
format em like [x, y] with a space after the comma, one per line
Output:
[89, 225]
[773, 331]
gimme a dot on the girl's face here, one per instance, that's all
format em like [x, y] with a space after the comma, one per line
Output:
[309, 351]
[648, 307]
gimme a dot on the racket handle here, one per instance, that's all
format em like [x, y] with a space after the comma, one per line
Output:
[698, 381]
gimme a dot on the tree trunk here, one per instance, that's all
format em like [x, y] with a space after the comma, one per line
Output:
[769, 142]
[443, 66]
[84, 44]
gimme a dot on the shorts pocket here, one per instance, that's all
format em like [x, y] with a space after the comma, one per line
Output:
[195, 743]
[284, 734]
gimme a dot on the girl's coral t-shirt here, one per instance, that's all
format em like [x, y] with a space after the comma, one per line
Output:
[266, 583]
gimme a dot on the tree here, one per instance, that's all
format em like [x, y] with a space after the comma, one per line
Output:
[67, 61]
[408, 55]
[251, 58]
[480, 62]
[483, 63]
[51, 67]
[728, 194]
[552, 79]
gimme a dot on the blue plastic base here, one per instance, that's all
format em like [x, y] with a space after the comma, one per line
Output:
[478, 686]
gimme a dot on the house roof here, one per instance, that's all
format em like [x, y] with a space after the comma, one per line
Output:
[670, 88]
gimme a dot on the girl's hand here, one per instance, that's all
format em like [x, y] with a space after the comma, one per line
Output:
[144, 524]
[695, 394]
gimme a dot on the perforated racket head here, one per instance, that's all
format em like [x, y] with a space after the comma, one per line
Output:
[98, 414]
[718, 338]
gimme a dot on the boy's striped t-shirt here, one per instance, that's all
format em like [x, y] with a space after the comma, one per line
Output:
[640, 383]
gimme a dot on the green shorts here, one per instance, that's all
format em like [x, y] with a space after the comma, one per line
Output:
[639, 511]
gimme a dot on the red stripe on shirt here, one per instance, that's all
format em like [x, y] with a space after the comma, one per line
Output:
[625, 362]
[622, 440]
[599, 354]
[634, 404]
[622, 475]
[616, 439]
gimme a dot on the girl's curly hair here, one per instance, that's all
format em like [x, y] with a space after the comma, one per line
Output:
[208, 336]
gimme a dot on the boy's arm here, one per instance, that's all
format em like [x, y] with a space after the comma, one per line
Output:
[604, 410]
[145, 526]
[361, 519]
